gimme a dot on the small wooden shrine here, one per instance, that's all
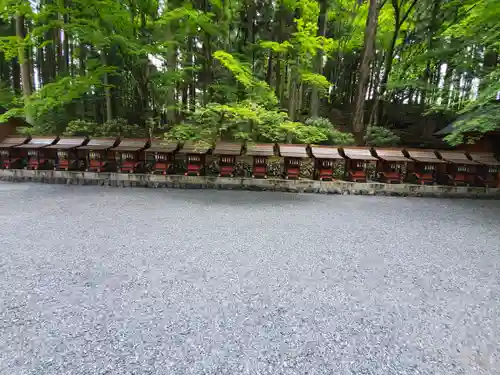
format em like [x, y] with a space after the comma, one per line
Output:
[487, 170]
[325, 158]
[162, 153]
[98, 156]
[460, 169]
[357, 159]
[68, 158]
[10, 156]
[390, 164]
[260, 152]
[292, 159]
[227, 153]
[36, 153]
[425, 168]
[195, 157]
[129, 155]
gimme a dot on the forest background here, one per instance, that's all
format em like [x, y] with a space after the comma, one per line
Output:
[376, 72]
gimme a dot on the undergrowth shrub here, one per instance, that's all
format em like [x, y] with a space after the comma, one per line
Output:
[334, 136]
[380, 136]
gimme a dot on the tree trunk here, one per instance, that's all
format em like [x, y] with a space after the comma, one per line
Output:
[399, 20]
[39, 65]
[490, 62]
[446, 90]
[64, 61]
[192, 81]
[107, 89]
[269, 72]
[300, 97]
[49, 69]
[358, 125]
[293, 90]
[25, 66]
[23, 57]
[172, 67]
[16, 76]
[291, 96]
[207, 68]
[389, 58]
[83, 72]
[318, 59]
[376, 82]
[184, 95]
[278, 83]
[433, 26]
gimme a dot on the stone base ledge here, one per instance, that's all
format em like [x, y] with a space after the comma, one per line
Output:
[271, 184]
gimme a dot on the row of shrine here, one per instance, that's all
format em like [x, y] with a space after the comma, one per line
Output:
[422, 166]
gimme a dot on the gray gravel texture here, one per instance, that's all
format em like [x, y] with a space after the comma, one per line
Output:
[133, 281]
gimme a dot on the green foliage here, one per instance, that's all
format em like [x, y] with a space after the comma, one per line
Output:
[317, 80]
[304, 45]
[478, 20]
[6, 95]
[302, 133]
[187, 132]
[246, 121]
[114, 128]
[334, 136]
[257, 90]
[479, 116]
[49, 123]
[241, 73]
[474, 124]
[380, 136]
[305, 39]
[239, 121]
[269, 128]
[227, 69]
[64, 91]
[81, 128]
[276, 47]
[120, 127]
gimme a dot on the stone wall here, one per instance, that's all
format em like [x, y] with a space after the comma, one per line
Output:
[272, 184]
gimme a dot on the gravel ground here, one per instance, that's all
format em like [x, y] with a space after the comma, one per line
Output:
[132, 281]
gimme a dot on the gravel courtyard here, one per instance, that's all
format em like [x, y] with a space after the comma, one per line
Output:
[100, 280]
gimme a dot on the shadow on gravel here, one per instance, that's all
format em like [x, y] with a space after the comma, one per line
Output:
[199, 196]
[239, 198]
